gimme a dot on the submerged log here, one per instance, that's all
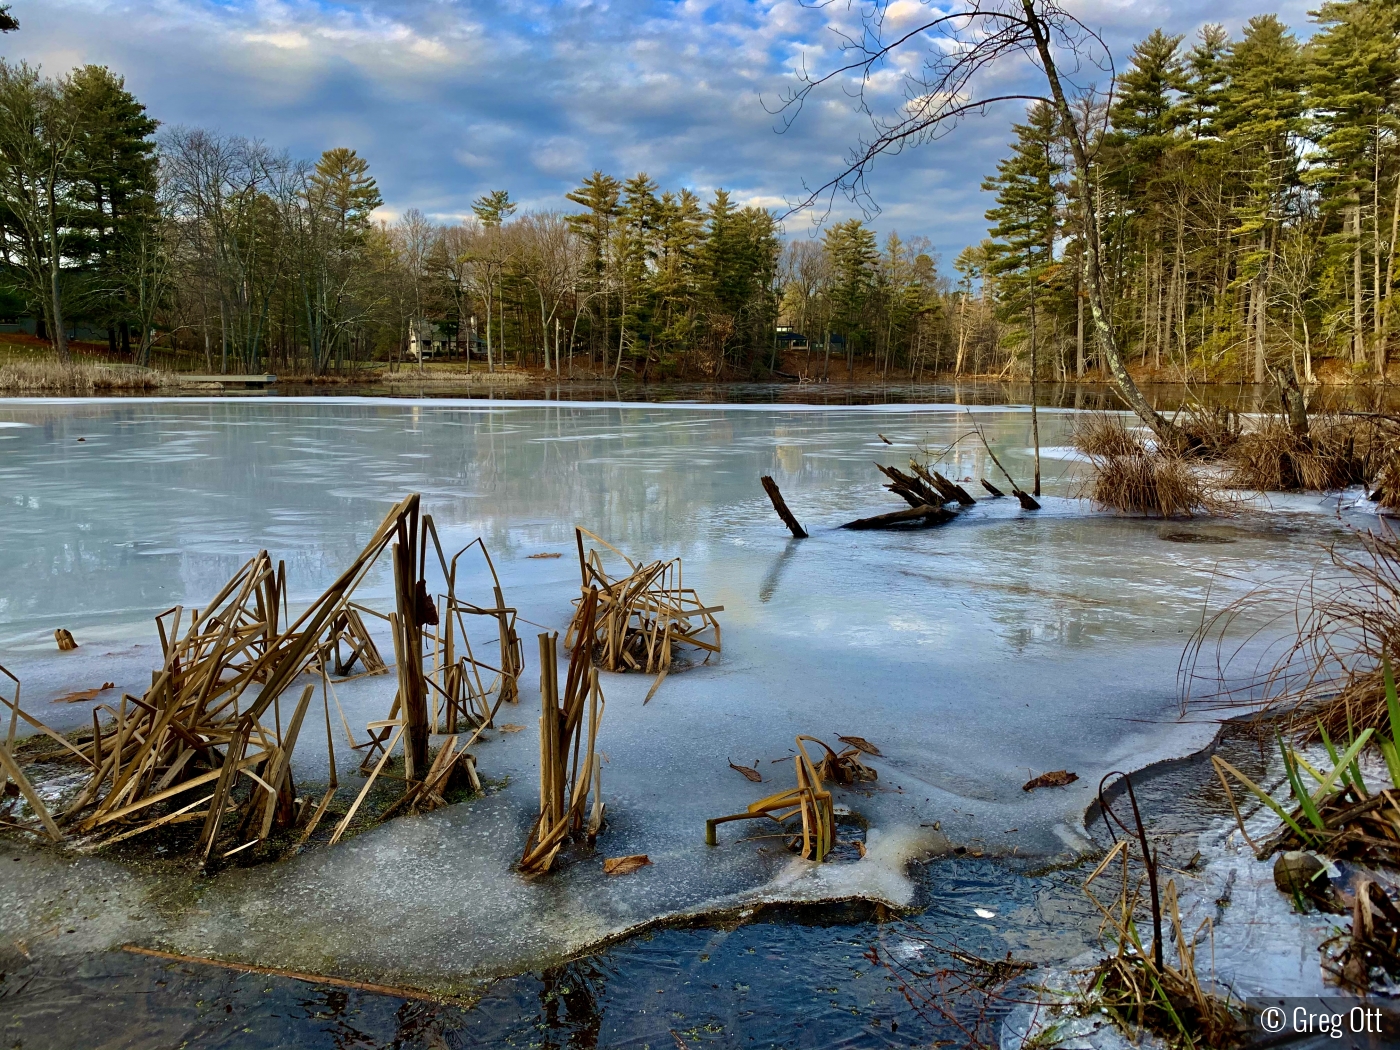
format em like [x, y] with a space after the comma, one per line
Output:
[780, 505]
[1027, 500]
[996, 492]
[914, 517]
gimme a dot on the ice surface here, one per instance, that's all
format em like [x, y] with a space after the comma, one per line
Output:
[974, 655]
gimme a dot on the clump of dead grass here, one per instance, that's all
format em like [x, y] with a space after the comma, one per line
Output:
[1210, 433]
[1337, 451]
[75, 377]
[1100, 435]
[1130, 476]
[1139, 986]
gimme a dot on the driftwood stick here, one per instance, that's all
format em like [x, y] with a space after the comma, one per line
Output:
[1027, 501]
[780, 505]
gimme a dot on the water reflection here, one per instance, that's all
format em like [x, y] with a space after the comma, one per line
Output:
[775, 572]
[1164, 397]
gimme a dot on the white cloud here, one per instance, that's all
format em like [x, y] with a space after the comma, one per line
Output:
[447, 98]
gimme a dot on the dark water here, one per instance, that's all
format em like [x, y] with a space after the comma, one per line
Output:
[1165, 397]
[815, 978]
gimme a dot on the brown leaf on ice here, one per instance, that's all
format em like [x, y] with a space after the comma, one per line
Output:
[547, 554]
[1054, 779]
[861, 744]
[510, 727]
[83, 694]
[625, 865]
[749, 774]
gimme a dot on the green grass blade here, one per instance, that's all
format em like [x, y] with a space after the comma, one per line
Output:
[1355, 768]
[1268, 800]
[1304, 799]
[1331, 751]
[1392, 759]
[1347, 759]
[1392, 702]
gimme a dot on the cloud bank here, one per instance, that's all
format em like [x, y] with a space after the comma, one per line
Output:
[450, 98]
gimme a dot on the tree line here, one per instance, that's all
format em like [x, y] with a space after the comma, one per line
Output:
[1229, 211]
[1247, 193]
[244, 258]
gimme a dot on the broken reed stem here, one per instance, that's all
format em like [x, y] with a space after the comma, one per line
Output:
[564, 787]
[640, 617]
[224, 669]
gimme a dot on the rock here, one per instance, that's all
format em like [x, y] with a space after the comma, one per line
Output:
[1297, 872]
[64, 638]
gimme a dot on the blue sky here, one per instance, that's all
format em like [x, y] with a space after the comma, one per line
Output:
[449, 98]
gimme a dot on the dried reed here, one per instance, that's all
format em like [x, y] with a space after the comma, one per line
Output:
[1102, 436]
[1210, 433]
[1157, 484]
[77, 377]
[1133, 477]
[1136, 985]
[1336, 452]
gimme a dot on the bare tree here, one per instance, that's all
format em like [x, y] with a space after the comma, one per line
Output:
[964, 47]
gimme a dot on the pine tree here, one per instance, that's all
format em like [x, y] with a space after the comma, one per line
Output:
[493, 208]
[341, 184]
[854, 259]
[1028, 187]
[1354, 99]
[114, 192]
[1261, 119]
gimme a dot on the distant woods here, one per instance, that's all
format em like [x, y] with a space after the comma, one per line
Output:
[1246, 194]
[1246, 190]
[247, 259]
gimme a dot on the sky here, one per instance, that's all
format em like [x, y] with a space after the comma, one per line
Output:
[448, 99]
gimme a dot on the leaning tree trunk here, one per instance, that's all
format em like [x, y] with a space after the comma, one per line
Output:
[1093, 247]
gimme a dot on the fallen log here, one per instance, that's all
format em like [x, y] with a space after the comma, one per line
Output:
[951, 493]
[780, 505]
[913, 517]
[996, 492]
[959, 493]
[911, 489]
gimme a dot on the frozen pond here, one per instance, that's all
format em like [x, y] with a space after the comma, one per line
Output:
[974, 655]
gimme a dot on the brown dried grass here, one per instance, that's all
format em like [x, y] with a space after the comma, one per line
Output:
[1100, 435]
[76, 377]
[1336, 452]
[1315, 645]
[1129, 476]
[1210, 432]
[1155, 484]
